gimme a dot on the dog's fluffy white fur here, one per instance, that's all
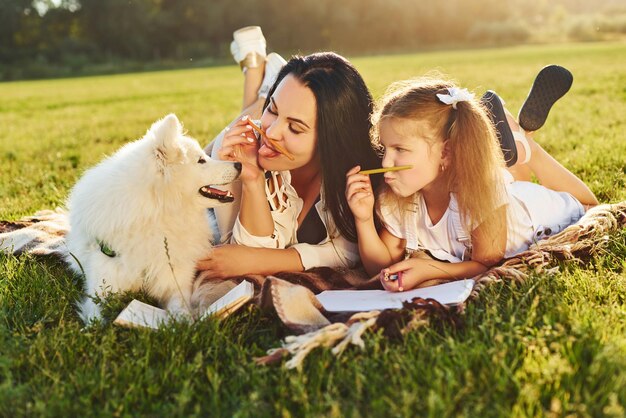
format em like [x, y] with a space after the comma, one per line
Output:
[139, 218]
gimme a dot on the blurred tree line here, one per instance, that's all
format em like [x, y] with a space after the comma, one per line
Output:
[40, 38]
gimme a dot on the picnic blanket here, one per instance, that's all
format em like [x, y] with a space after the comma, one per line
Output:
[292, 294]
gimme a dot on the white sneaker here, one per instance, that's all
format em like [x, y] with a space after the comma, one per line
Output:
[248, 46]
[273, 64]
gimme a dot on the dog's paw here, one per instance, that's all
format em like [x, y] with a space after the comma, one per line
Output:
[179, 309]
[89, 311]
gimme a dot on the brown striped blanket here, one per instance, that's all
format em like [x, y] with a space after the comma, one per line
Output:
[292, 294]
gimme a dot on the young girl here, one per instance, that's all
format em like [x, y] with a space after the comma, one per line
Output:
[457, 202]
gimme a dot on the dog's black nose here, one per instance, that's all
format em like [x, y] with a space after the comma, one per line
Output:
[238, 166]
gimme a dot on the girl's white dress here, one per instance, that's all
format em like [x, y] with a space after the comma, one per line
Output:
[534, 213]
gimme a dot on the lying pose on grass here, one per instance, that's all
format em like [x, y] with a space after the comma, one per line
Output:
[293, 213]
[457, 202]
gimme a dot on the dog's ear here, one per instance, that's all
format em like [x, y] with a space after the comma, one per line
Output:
[166, 133]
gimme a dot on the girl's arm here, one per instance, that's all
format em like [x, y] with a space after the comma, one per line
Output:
[486, 251]
[376, 251]
[419, 271]
[490, 249]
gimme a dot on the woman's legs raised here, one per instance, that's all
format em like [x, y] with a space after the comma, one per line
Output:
[252, 106]
[251, 83]
[258, 78]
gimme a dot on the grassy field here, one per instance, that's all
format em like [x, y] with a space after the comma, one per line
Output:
[555, 346]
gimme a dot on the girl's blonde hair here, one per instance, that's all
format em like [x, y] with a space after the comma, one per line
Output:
[474, 172]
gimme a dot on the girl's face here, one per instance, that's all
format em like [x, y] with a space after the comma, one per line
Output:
[291, 119]
[410, 143]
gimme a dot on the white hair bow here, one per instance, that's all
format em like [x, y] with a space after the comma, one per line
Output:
[455, 95]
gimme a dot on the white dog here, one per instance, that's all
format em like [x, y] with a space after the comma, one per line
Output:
[139, 218]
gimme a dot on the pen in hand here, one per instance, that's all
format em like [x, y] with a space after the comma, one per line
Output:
[394, 277]
[274, 143]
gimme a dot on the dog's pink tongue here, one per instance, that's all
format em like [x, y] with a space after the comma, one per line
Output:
[267, 152]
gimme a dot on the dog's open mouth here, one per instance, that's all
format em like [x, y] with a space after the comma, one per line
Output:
[217, 194]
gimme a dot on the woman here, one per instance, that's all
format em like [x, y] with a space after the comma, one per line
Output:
[293, 214]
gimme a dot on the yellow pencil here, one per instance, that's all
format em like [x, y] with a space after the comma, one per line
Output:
[274, 143]
[384, 170]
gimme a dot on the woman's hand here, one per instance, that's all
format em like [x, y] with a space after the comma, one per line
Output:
[230, 260]
[241, 144]
[225, 261]
[359, 195]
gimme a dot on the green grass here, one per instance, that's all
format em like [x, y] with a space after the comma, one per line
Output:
[554, 346]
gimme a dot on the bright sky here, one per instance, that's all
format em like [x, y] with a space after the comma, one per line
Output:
[42, 5]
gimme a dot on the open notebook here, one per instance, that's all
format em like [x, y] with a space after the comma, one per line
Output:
[141, 315]
[451, 293]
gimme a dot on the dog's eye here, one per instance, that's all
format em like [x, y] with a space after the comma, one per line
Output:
[201, 161]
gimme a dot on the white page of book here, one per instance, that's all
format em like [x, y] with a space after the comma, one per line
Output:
[232, 300]
[140, 314]
[451, 293]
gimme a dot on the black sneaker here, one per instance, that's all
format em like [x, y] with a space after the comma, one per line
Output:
[550, 85]
[492, 102]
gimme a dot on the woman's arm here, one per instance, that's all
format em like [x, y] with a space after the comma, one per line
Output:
[335, 252]
[240, 144]
[255, 214]
[235, 260]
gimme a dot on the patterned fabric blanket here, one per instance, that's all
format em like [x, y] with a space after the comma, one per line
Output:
[292, 294]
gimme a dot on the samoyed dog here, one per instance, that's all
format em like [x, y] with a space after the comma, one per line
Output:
[139, 218]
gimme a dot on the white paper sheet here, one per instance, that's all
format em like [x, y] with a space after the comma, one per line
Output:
[451, 293]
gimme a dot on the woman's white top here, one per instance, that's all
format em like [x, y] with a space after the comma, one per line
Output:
[534, 213]
[286, 205]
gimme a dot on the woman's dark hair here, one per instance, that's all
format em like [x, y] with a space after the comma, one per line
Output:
[344, 105]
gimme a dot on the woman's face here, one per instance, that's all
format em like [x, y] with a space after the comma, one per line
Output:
[291, 119]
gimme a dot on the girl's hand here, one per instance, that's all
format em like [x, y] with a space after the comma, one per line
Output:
[410, 278]
[359, 195]
[240, 144]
